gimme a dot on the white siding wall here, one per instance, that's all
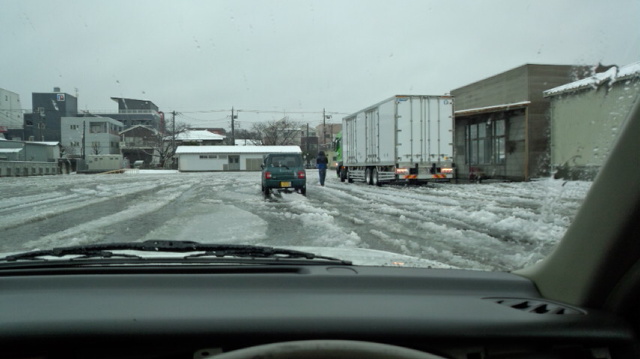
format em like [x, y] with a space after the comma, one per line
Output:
[585, 125]
[211, 162]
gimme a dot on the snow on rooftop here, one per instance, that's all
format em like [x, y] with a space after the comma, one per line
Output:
[237, 149]
[247, 142]
[610, 76]
[198, 135]
[44, 143]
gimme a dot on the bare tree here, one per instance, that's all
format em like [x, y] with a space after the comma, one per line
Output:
[67, 151]
[278, 133]
[165, 144]
[95, 148]
[250, 135]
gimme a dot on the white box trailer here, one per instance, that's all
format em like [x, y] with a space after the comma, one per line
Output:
[404, 138]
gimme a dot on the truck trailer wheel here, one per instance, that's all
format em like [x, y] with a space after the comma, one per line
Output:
[367, 176]
[374, 177]
[343, 174]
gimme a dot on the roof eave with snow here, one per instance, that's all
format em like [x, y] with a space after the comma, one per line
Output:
[495, 108]
[610, 77]
[237, 149]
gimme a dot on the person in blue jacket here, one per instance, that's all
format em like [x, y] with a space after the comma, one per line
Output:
[321, 165]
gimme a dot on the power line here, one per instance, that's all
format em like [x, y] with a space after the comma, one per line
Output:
[181, 114]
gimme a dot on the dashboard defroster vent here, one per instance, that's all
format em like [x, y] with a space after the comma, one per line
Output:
[537, 306]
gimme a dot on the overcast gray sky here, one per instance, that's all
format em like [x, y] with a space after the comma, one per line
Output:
[203, 57]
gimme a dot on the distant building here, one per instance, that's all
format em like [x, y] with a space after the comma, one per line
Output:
[501, 124]
[139, 143]
[326, 135]
[19, 158]
[226, 158]
[217, 130]
[133, 112]
[11, 115]
[586, 118]
[43, 124]
[247, 142]
[197, 138]
[83, 136]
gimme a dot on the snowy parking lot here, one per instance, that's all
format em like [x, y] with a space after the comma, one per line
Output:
[489, 226]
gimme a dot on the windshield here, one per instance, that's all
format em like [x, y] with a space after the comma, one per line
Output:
[424, 133]
[284, 160]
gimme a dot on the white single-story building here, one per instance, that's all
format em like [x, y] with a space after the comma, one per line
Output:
[226, 158]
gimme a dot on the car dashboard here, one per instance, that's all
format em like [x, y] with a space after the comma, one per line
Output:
[195, 311]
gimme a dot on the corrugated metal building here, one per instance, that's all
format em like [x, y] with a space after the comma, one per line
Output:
[226, 158]
[587, 117]
[18, 158]
[501, 123]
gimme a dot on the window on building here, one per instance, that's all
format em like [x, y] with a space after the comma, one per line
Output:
[483, 154]
[486, 140]
[500, 142]
[472, 143]
[97, 127]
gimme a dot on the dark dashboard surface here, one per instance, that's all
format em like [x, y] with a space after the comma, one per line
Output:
[232, 307]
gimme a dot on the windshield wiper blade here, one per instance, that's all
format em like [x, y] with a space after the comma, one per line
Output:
[83, 253]
[262, 252]
[104, 250]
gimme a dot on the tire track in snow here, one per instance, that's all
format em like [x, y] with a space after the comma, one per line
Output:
[96, 230]
[463, 220]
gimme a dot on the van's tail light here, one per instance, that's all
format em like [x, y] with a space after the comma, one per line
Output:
[267, 175]
[302, 174]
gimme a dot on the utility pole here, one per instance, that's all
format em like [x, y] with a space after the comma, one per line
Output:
[84, 135]
[324, 132]
[307, 143]
[233, 129]
[173, 136]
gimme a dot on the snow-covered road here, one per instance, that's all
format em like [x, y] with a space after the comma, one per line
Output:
[497, 226]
